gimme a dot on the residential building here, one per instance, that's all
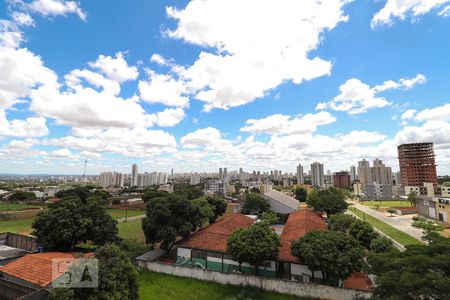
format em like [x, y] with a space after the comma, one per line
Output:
[111, 179]
[417, 164]
[194, 179]
[281, 203]
[353, 174]
[364, 173]
[342, 179]
[397, 178]
[317, 175]
[377, 191]
[215, 187]
[300, 179]
[134, 175]
[380, 173]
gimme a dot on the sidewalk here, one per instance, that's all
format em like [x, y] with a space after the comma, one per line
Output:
[402, 223]
[121, 220]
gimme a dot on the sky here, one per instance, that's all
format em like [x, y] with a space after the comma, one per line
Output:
[202, 84]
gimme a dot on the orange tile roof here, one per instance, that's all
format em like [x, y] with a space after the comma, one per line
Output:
[298, 224]
[215, 236]
[358, 281]
[37, 268]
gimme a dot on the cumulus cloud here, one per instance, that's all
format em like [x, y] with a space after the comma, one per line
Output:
[30, 127]
[115, 68]
[441, 113]
[51, 8]
[402, 9]
[170, 117]
[247, 59]
[22, 19]
[357, 97]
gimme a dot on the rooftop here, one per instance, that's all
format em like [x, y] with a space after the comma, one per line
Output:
[283, 199]
[215, 236]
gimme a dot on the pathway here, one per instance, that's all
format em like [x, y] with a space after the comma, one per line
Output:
[402, 223]
[121, 220]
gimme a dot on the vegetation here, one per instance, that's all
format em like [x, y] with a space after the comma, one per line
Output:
[381, 244]
[387, 203]
[254, 245]
[167, 287]
[5, 206]
[254, 204]
[73, 221]
[21, 196]
[430, 229]
[412, 198]
[269, 218]
[340, 222]
[363, 232]
[149, 194]
[301, 194]
[420, 272]
[335, 254]
[390, 231]
[329, 201]
[218, 205]
[132, 230]
[391, 211]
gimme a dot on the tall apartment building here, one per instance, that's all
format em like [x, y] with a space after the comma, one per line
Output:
[353, 173]
[341, 179]
[300, 179]
[380, 173]
[111, 179]
[194, 179]
[364, 173]
[317, 175]
[417, 164]
[134, 175]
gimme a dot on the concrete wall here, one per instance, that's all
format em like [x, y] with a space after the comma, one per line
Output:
[268, 284]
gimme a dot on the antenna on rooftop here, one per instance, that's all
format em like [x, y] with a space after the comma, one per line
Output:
[83, 178]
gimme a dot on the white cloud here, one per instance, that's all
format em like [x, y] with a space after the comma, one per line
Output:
[441, 113]
[30, 127]
[357, 97]
[115, 68]
[160, 60]
[21, 71]
[50, 8]
[163, 89]
[170, 117]
[64, 152]
[248, 59]
[401, 9]
[22, 19]
[407, 115]
[284, 124]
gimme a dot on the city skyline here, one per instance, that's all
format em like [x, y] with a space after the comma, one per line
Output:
[163, 93]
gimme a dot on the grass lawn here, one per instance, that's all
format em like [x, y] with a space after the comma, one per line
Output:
[386, 203]
[23, 224]
[16, 206]
[162, 287]
[131, 230]
[395, 234]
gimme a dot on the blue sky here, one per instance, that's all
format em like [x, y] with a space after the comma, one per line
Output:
[197, 85]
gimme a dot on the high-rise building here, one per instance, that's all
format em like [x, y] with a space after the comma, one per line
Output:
[364, 174]
[300, 179]
[225, 175]
[353, 175]
[111, 179]
[317, 178]
[397, 178]
[341, 179]
[134, 175]
[194, 179]
[417, 164]
[220, 174]
[380, 173]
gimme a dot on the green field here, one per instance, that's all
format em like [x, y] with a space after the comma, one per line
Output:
[131, 230]
[386, 203]
[395, 234]
[16, 206]
[162, 287]
[23, 225]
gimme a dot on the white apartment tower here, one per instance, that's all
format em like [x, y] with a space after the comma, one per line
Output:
[134, 175]
[317, 178]
[300, 178]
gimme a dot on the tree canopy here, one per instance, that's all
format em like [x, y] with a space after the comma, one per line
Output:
[363, 232]
[335, 254]
[69, 222]
[340, 222]
[254, 204]
[301, 194]
[331, 201]
[254, 245]
[218, 205]
[153, 193]
[79, 192]
[420, 272]
[412, 198]
[19, 196]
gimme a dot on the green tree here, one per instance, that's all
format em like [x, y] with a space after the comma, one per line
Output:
[412, 198]
[363, 232]
[254, 245]
[189, 192]
[335, 254]
[153, 193]
[340, 222]
[19, 196]
[205, 211]
[429, 228]
[420, 272]
[167, 218]
[255, 190]
[301, 194]
[219, 206]
[254, 204]
[331, 201]
[117, 279]
[269, 218]
[67, 223]
[381, 244]
[79, 192]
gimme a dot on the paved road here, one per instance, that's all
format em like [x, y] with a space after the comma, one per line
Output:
[402, 223]
[131, 218]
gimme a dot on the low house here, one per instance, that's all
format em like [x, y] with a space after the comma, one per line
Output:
[437, 208]
[280, 202]
[32, 273]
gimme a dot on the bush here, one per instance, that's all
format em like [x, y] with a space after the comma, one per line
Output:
[6, 217]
